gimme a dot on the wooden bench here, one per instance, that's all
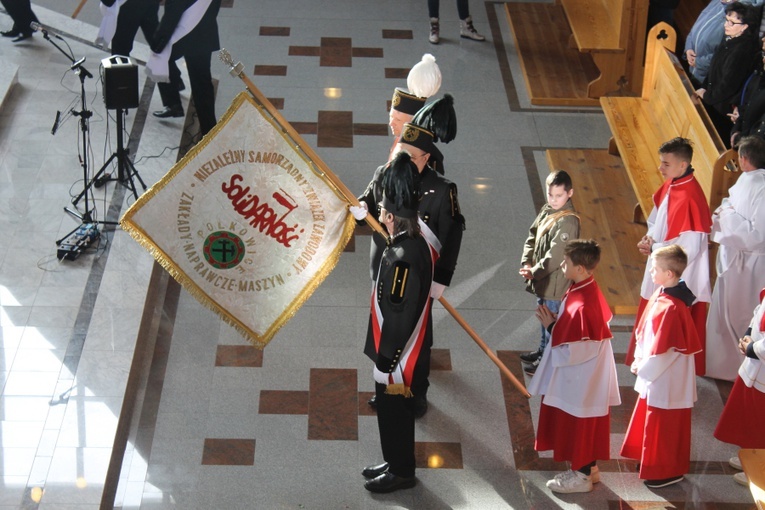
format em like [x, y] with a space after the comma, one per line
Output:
[612, 32]
[607, 34]
[665, 110]
[753, 462]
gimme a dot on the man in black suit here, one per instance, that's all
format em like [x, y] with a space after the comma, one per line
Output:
[196, 47]
[21, 13]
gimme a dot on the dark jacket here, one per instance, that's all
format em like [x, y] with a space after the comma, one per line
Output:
[731, 65]
[403, 292]
[751, 110]
[439, 209]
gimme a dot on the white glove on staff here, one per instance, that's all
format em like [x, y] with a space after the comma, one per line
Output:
[359, 212]
[436, 290]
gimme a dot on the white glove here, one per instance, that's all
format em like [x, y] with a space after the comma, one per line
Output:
[379, 377]
[436, 290]
[359, 212]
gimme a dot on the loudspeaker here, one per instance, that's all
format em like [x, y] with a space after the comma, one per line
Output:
[120, 77]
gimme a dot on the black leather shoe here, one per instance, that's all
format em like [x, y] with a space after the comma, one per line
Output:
[169, 111]
[375, 471]
[372, 401]
[22, 37]
[420, 406]
[388, 482]
[11, 33]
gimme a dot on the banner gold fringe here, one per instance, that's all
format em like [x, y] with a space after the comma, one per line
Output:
[140, 236]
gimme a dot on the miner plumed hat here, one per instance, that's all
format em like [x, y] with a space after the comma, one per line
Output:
[400, 184]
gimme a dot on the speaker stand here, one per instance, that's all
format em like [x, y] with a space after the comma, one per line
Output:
[126, 171]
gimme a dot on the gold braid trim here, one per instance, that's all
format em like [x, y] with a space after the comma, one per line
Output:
[399, 389]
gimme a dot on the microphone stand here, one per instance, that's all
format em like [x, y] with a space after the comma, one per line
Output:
[84, 114]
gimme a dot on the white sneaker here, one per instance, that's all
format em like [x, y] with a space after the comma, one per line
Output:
[569, 482]
[741, 479]
[735, 463]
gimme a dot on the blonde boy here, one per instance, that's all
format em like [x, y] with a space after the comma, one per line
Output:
[659, 433]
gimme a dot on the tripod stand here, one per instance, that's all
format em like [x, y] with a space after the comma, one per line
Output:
[125, 168]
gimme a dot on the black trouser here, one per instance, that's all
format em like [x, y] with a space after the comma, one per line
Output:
[462, 8]
[395, 419]
[202, 90]
[134, 14]
[21, 13]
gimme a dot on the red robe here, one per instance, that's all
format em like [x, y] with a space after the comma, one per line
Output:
[687, 211]
[659, 433]
[574, 420]
[744, 412]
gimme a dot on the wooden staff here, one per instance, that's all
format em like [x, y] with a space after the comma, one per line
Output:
[78, 9]
[237, 70]
[477, 339]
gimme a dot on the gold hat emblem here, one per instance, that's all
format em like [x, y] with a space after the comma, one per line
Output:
[410, 134]
[396, 99]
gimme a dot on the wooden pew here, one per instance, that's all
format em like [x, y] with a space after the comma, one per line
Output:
[665, 110]
[575, 51]
[612, 32]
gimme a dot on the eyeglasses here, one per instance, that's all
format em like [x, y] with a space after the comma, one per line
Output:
[729, 21]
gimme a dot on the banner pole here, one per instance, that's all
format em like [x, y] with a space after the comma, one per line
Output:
[237, 70]
[477, 339]
[78, 9]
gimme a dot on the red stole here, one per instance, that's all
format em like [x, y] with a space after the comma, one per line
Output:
[672, 325]
[577, 322]
[687, 210]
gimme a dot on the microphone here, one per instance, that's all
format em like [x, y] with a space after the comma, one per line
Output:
[56, 123]
[77, 66]
[38, 28]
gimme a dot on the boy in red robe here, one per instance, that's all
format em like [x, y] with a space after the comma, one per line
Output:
[680, 216]
[659, 433]
[577, 374]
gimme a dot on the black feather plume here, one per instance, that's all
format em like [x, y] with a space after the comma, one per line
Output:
[439, 118]
[399, 184]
